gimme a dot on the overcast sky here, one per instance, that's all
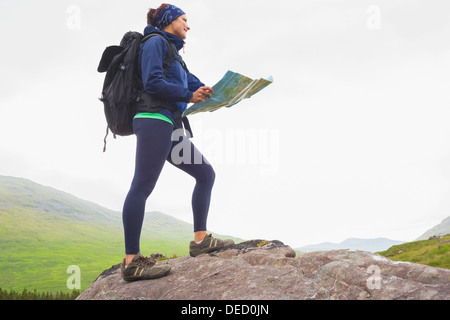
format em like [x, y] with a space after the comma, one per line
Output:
[351, 140]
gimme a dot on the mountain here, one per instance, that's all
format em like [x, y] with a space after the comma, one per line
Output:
[441, 229]
[370, 245]
[43, 231]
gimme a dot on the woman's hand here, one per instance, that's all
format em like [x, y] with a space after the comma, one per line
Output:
[201, 94]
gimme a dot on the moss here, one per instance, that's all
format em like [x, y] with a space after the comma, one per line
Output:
[262, 243]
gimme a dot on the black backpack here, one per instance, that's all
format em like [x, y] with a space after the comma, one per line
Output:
[122, 88]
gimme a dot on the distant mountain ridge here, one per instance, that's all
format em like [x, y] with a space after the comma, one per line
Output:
[441, 229]
[370, 245]
[377, 244]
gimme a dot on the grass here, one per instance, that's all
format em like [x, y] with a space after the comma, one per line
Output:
[431, 252]
[43, 266]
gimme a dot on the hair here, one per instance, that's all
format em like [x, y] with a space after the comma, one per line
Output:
[152, 14]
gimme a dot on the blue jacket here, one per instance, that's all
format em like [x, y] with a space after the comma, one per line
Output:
[179, 85]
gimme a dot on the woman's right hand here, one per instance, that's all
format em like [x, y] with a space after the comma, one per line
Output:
[201, 94]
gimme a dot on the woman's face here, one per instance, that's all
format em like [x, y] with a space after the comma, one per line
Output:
[179, 27]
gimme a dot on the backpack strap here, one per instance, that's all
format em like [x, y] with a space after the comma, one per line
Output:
[170, 56]
[171, 53]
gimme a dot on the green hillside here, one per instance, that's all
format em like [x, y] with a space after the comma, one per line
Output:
[43, 231]
[432, 252]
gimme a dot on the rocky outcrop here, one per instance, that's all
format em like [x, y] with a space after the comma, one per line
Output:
[270, 270]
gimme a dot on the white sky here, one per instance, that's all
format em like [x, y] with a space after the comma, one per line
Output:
[351, 140]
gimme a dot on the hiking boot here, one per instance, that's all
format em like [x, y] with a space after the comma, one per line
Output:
[142, 268]
[208, 244]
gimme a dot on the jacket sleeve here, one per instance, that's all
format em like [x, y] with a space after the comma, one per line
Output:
[152, 60]
[194, 83]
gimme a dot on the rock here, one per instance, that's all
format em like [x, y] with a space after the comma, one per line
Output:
[270, 270]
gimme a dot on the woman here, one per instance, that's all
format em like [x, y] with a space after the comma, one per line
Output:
[168, 87]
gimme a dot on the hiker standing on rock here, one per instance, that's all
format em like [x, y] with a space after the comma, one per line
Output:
[169, 87]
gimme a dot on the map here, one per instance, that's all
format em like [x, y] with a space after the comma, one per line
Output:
[231, 89]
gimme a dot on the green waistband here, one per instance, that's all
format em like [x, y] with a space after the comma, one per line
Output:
[149, 115]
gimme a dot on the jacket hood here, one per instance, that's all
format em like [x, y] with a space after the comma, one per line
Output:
[178, 42]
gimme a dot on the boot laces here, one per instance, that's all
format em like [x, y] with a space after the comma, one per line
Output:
[145, 262]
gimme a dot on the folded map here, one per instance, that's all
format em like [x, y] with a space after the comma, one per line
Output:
[231, 89]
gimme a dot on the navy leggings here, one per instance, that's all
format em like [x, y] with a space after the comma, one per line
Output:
[154, 148]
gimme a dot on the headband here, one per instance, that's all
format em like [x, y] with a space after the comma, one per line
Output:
[167, 15]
